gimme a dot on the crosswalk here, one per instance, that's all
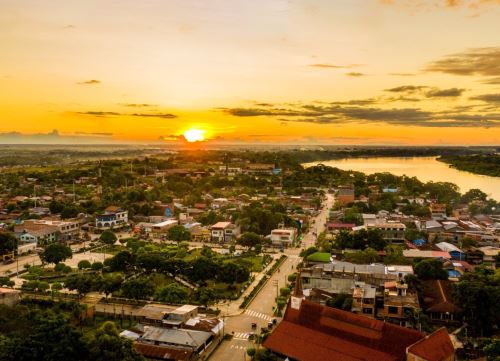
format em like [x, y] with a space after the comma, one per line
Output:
[236, 347]
[258, 315]
[241, 336]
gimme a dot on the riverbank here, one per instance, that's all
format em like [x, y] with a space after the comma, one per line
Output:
[484, 164]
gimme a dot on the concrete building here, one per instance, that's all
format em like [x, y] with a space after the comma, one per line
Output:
[222, 232]
[391, 232]
[438, 210]
[42, 231]
[9, 296]
[112, 218]
[283, 237]
[345, 196]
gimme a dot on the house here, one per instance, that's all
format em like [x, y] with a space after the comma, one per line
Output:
[438, 301]
[9, 296]
[454, 251]
[312, 332]
[363, 299]
[260, 169]
[334, 227]
[283, 237]
[191, 340]
[345, 196]
[436, 346]
[224, 232]
[163, 227]
[391, 232]
[113, 217]
[438, 210]
[489, 253]
[399, 303]
[417, 253]
[45, 231]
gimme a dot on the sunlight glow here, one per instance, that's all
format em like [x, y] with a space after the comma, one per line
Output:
[194, 135]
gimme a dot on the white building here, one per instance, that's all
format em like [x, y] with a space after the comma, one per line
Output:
[224, 232]
[283, 237]
[113, 217]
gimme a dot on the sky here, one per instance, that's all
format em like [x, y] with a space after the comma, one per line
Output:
[395, 72]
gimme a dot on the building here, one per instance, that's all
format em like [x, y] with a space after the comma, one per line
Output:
[391, 232]
[335, 227]
[43, 231]
[162, 227]
[113, 217]
[222, 232]
[312, 332]
[399, 303]
[363, 299]
[260, 169]
[438, 210]
[436, 346]
[283, 237]
[345, 196]
[417, 253]
[438, 302]
[9, 296]
[454, 251]
[191, 340]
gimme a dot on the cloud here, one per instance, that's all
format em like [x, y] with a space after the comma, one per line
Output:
[478, 61]
[488, 98]
[402, 74]
[54, 137]
[343, 112]
[116, 114]
[452, 92]
[355, 74]
[138, 105]
[333, 66]
[90, 82]
[407, 89]
[492, 81]
[444, 4]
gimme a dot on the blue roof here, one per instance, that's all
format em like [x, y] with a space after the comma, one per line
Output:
[419, 242]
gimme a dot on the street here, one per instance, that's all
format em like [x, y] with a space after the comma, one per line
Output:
[260, 310]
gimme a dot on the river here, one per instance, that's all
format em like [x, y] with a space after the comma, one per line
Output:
[424, 168]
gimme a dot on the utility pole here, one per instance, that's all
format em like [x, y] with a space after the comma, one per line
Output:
[74, 194]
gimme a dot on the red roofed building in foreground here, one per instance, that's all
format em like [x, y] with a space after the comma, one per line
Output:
[312, 332]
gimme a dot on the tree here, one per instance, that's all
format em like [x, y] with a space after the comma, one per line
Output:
[173, 293]
[430, 269]
[178, 233]
[84, 264]
[138, 288]
[231, 272]
[107, 345]
[369, 255]
[108, 237]
[97, 266]
[205, 296]
[249, 240]
[120, 261]
[50, 338]
[55, 253]
[109, 284]
[81, 283]
[342, 301]
[8, 243]
[43, 286]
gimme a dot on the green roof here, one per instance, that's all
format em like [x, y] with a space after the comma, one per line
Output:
[319, 257]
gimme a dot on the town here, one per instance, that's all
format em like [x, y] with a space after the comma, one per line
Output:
[244, 255]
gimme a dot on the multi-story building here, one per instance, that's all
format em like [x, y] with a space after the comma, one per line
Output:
[113, 217]
[44, 231]
[283, 237]
[224, 232]
[391, 232]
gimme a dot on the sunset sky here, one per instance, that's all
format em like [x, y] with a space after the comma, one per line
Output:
[267, 71]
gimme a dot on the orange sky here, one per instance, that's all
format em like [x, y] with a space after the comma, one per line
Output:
[291, 71]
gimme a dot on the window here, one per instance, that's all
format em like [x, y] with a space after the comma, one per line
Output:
[392, 309]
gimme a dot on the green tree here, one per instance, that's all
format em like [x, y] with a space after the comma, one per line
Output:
[55, 253]
[342, 301]
[173, 293]
[81, 283]
[178, 233]
[97, 266]
[108, 237]
[430, 269]
[249, 240]
[138, 288]
[108, 284]
[8, 243]
[107, 345]
[84, 264]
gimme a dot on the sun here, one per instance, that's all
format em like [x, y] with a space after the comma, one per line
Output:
[194, 135]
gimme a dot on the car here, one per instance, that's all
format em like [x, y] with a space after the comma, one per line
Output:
[254, 326]
[270, 325]
[274, 321]
[8, 261]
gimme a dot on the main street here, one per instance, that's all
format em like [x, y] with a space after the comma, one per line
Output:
[260, 310]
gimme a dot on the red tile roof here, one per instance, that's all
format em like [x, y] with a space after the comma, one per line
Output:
[317, 333]
[437, 295]
[163, 352]
[435, 347]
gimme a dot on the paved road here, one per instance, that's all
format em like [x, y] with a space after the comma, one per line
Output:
[260, 310]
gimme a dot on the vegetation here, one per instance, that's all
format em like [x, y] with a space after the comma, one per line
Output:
[487, 164]
[55, 253]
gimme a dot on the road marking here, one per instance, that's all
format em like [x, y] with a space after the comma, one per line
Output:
[241, 336]
[238, 347]
[258, 315]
